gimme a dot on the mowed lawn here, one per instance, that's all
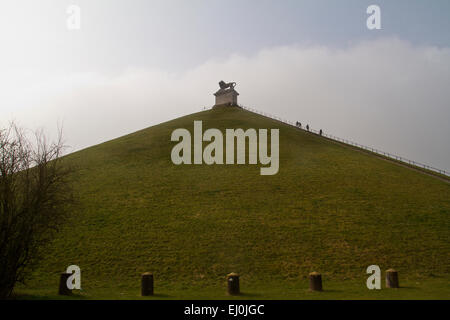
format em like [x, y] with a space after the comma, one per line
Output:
[329, 209]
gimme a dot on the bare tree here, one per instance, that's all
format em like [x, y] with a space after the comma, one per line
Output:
[34, 197]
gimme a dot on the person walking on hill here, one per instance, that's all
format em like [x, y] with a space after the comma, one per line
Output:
[307, 127]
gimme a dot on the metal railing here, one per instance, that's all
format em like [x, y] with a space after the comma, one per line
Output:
[349, 142]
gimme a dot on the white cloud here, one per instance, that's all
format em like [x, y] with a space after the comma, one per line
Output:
[385, 93]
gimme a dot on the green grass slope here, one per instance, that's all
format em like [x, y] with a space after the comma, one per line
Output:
[329, 208]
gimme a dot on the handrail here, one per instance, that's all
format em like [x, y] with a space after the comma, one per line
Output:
[352, 143]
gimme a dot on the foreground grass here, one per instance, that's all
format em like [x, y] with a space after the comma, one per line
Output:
[431, 288]
[329, 209]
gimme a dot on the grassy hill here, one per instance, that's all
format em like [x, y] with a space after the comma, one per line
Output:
[330, 209]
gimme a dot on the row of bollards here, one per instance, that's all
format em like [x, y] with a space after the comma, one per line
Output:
[315, 282]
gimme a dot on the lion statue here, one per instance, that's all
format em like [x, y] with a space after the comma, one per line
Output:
[224, 85]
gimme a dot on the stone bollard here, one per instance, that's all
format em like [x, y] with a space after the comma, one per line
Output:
[147, 284]
[315, 281]
[233, 284]
[63, 289]
[391, 278]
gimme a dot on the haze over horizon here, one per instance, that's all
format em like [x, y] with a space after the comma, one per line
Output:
[134, 64]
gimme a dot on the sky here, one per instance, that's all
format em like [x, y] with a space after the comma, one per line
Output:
[133, 64]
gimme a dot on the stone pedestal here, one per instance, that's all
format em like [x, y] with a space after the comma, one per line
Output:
[147, 284]
[226, 97]
[391, 278]
[315, 281]
[233, 284]
[63, 289]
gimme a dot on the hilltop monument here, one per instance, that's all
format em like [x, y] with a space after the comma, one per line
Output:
[226, 95]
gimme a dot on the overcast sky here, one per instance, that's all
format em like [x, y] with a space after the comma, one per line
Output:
[135, 63]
